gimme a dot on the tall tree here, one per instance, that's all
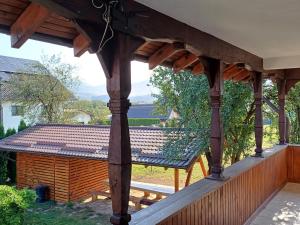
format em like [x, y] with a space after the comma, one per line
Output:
[188, 96]
[292, 111]
[44, 90]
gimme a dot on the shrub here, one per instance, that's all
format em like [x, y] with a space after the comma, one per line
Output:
[143, 122]
[10, 131]
[3, 167]
[13, 204]
[22, 126]
[2, 132]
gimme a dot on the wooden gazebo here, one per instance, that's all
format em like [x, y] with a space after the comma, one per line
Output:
[121, 31]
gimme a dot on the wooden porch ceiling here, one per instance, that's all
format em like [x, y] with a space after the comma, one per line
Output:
[16, 19]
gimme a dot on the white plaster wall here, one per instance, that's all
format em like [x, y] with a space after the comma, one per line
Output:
[82, 118]
[10, 121]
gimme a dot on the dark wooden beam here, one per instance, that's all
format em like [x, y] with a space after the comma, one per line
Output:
[176, 180]
[189, 176]
[292, 74]
[184, 62]
[80, 44]
[164, 53]
[258, 94]
[119, 154]
[215, 80]
[281, 85]
[144, 22]
[27, 23]
[92, 32]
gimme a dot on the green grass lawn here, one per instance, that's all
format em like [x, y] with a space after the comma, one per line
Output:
[159, 175]
[51, 214]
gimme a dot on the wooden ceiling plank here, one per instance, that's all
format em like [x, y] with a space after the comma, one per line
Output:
[81, 45]
[164, 53]
[230, 72]
[153, 25]
[242, 75]
[198, 69]
[184, 62]
[27, 23]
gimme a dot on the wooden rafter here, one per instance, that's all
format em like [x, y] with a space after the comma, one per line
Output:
[198, 69]
[164, 53]
[149, 27]
[242, 75]
[231, 72]
[80, 45]
[27, 23]
[184, 62]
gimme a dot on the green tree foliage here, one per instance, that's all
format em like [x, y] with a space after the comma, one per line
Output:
[189, 97]
[11, 159]
[22, 126]
[13, 204]
[97, 110]
[45, 90]
[292, 111]
[293, 108]
[3, 159]
[10, 131]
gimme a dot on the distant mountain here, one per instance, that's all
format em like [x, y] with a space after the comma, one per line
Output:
[140, 93]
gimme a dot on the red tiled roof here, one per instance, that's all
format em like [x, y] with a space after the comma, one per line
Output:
[92, 142]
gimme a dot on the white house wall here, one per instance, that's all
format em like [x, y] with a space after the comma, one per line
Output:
[10, 121]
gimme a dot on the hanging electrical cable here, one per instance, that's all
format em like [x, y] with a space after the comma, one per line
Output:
[108, 33]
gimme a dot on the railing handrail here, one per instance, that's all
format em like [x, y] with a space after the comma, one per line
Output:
[174, 203]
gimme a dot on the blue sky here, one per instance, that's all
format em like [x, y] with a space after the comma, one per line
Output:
[88, 67]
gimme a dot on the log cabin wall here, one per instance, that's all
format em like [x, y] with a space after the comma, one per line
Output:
[87, 176]
[33, 169]
[252, 181]
[294, 163]
[69, 179]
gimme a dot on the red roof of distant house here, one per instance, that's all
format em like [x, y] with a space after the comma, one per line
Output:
[92, 142]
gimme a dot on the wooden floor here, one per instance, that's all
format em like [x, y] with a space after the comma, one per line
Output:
[283, 209]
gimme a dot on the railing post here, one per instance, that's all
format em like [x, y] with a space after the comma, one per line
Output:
[216, 83]
[281, 84]
[119, 155]
[258, 93]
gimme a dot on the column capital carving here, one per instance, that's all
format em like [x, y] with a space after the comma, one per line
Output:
[119, 106]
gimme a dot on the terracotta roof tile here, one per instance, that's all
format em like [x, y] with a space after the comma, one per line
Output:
[92, 142]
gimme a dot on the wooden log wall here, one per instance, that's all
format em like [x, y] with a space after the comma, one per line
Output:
[69, 179]
[294, 164]
[87, 176]
[35, 169]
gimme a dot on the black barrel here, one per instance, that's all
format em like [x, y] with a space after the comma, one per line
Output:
[42, 193]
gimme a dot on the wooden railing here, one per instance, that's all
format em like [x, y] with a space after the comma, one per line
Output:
[252, 182]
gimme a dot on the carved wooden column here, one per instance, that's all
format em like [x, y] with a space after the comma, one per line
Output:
[258, 93]
[281, 84]
[215, 78]
[119, 155]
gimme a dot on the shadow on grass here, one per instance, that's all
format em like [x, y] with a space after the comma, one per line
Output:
[52, 214]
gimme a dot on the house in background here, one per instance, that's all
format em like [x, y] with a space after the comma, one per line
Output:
[10, 112]
[147, 111]
[82, 117]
